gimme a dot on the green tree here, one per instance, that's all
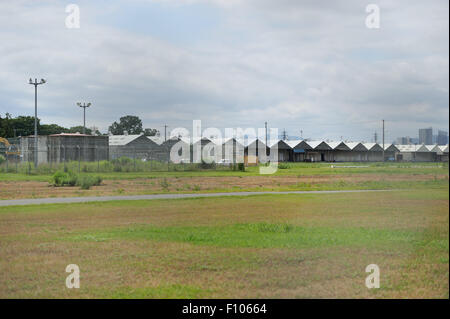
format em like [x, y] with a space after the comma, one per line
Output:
[48, 129]
[79, 129]
[24, 125]
[6, 129]
[150, 132]
[130, 123]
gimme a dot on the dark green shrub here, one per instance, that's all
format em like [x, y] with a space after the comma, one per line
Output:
[241, 167]
[64, 179]
[283, 166]
[69, 178]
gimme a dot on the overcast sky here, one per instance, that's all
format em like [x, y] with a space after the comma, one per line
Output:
[300, 65]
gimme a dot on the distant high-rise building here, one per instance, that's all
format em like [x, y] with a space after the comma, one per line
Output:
[426, 136]
[442, 138]
[403, 140]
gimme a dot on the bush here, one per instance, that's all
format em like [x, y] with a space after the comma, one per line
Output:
[283, 166]
[86, 181]
[241, 167]
[61, 178]
[165, 184]
[64, 178]
[2, 159]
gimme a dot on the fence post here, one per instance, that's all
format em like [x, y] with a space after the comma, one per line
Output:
[134, 158]
[64, 148]
[168, 159]
[79, 157]
[98, 159]
[6, 155]
[49, 154]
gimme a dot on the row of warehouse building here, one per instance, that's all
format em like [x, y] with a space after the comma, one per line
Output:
[66, 147]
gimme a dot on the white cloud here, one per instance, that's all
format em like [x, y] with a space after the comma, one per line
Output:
[295, 64]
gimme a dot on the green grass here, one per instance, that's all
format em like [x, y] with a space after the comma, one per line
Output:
[268, 246]
[290, 169]
[260, 235]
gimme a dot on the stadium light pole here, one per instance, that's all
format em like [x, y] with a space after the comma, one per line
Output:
[35, 83]
[84, 106]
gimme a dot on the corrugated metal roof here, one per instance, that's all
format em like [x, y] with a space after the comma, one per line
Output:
[356, 146]
[433, 148]
[412, 148]
[339, 145]
[373, 147]
[391, 148]
[250, 141]
[319, 145]
[121, 140]
[70, 134]
[156, 139]
[443, 148]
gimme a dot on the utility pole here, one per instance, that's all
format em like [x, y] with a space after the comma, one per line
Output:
[35, 83]
[375, 137]
[84, 106]
[165, 133]
[284, 135]
[265, 125]
[383, 140]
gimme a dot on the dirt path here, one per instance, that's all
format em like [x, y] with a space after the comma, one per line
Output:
[34, 201]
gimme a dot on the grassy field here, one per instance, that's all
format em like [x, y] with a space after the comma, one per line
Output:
[269, 246]
[291, 169]
[297, 176]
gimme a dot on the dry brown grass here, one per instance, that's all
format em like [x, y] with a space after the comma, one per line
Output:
[36, 189]
[36, 246]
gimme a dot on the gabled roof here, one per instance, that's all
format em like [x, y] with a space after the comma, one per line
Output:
[443, 148]
[319, 145]
[157, 139]
[282, 144]
[251, 142]
[373, 147]
[221, 141]
[432, 148]
[356, 146]
[391, 148]
[299, 144]
[121, 140]
[341, 146]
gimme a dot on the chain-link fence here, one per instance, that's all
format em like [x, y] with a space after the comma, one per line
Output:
[78, 158]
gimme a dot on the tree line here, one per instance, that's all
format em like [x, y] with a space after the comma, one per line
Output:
[24, 125]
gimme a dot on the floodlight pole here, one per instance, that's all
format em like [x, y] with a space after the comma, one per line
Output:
[35, 83]
[84, 106]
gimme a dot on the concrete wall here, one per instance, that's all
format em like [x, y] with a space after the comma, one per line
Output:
[417, 157]
[59, 148]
